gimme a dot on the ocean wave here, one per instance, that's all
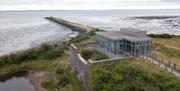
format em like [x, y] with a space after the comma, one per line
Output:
[155, 26]
[28, 35]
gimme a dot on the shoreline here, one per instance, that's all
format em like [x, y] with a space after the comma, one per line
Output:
[154, 17]
[61, 41]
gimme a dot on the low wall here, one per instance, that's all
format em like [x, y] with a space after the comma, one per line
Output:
[107, 61]
[80, 66]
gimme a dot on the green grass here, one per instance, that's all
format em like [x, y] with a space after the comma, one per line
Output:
[168, 49]
[99, 56]
[130, 76]
[170, 52]
[44, 52]
[92, 54]
[47, 57]
[85, 37]
[173, 42]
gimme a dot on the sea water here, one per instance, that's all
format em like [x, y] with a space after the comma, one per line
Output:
[20, 30]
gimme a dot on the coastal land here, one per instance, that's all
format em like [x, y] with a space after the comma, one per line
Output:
[51, 62]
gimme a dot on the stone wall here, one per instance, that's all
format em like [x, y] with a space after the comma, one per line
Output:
[79, 66]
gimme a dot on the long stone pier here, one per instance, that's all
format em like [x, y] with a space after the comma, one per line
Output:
[71, 25]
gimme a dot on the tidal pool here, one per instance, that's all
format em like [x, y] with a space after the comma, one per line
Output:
[17, 82]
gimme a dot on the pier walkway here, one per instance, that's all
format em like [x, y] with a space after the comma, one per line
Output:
[71, 25]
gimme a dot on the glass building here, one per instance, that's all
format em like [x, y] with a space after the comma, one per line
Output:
[128, 41]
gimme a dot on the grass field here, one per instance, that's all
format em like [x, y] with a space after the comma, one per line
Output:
[132, 75]
[173, 42]
[168, 50]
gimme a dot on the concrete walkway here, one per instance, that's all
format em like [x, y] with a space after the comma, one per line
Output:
[163, 66]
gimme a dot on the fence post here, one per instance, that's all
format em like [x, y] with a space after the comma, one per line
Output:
[153, 58]
[165, 67]
[143, 56]
[169, 63]
[174, 66]
[172, 69]
[162, 61]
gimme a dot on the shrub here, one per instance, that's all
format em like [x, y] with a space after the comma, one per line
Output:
[86, 53]
[45, 47]
[59, 70]
[99, 56]
[63, 80]
[126, 76]
[79, 38]
[92, 33]
[45, 51]
[48, 84]
[52, 54]
[85, 36]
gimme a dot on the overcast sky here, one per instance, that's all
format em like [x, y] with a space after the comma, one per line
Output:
[87, 4]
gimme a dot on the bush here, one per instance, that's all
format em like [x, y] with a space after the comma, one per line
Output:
[45, 47]
[126, 76]
[85, 36]
[61, 77]
[80, 38]
[47, 84]
[45, 51]
[92, 33]
[63, 80]
[52, 54]
[86, 53]
[99, 56]
[59, 70]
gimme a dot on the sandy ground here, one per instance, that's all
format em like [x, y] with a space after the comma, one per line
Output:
[37, 77]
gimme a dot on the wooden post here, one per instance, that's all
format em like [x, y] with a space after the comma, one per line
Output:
[162, 61]
[174, 66]
[172, 69]
[152, 61]
[154, 58]
[159, 63]
[165, 67]
[169, 63]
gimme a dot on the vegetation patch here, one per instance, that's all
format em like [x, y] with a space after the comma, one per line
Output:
[128, 76]
[162, 36]
[59, 81]
[170, 52]
[63, 80]
[44, 52]
[92, 54]
[85, 36]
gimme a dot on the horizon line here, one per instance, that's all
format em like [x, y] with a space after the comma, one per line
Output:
[86, 10]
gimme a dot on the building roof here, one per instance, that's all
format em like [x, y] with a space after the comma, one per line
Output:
[130, 34]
